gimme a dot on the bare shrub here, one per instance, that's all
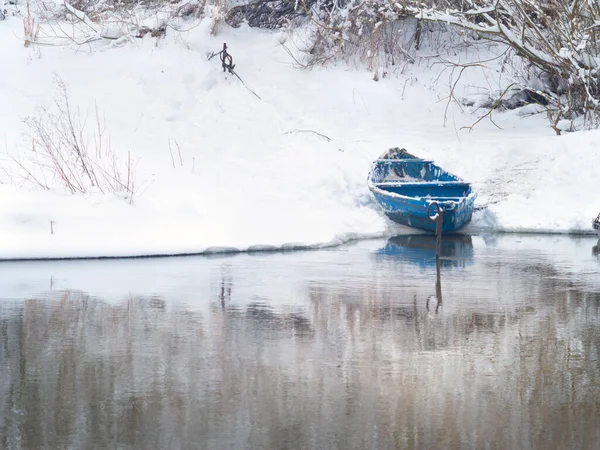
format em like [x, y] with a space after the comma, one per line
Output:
[385, 35]
[555, 43]
[271, 14]
[555, 58]
[558, 40]
[81, 22]
[60, 153]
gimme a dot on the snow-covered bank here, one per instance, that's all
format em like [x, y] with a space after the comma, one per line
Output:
[254, 173]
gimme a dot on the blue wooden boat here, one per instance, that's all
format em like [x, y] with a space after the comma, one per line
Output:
[410, 189]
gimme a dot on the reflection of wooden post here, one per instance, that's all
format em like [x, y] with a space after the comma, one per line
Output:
[438, 288]
[438, 285]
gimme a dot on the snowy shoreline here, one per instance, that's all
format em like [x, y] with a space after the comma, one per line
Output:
[224, 171]
[210, 251]
[285, 248]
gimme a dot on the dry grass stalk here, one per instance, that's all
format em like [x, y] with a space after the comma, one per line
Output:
[31, 28]
[60, 153]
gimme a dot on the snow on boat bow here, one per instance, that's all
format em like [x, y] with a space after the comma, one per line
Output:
[406, 187]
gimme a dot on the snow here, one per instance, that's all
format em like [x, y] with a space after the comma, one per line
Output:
[288, 170]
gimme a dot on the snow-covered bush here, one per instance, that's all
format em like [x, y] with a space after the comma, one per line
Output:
[555, 43]
[80, 22]
[557, 39]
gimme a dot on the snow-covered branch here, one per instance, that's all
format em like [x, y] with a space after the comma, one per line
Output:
[561, 39]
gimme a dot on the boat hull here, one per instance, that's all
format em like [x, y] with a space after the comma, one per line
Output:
[413, 212]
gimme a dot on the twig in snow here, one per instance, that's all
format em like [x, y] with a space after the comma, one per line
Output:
[298, 63]
[179, 152]
[178, 146]
[242, 81]
[227, 64]
[309, 131]
[171, 152]
[495, 105]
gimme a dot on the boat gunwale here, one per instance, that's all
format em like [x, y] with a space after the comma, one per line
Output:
[463, 199]
[394, 183]
[405, 160]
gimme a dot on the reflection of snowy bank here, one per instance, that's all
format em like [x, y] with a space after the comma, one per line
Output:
[473, 269]
[570, 259]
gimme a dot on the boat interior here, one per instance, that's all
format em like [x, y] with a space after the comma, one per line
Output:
[438, 190]
[418, 178]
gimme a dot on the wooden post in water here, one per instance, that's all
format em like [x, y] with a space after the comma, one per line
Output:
[438, 218]
[438, 232]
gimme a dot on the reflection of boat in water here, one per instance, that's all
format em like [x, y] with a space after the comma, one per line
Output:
[596, 225]
[456, 250]
[596, 249]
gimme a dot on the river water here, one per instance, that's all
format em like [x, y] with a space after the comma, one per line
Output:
[365, 346]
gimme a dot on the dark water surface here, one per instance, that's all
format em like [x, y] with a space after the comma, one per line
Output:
[358, 347]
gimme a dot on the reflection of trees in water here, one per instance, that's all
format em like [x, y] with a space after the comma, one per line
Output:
[479, 377]
[349, 368]
[84, 373]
